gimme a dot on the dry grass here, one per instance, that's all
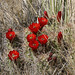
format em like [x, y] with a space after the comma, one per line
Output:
[19, 14]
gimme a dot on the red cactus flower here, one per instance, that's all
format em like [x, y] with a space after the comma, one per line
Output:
[42, 21]
[50, 55]
[45, 14]
[31, 37]
[59, 37]
[55, 58]
[34, 27]
[59, 16]
[43, 39]
[13, 55]
[10, 34]
[33, 44]
[9, 29]
[49, 58]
